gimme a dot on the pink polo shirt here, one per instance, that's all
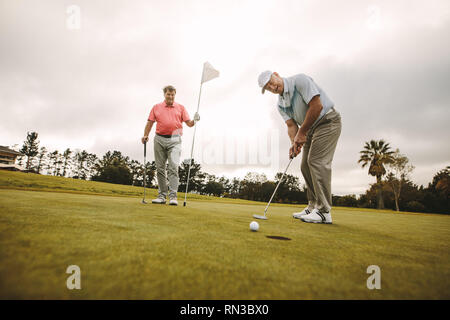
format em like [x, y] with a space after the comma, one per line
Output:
[169, 119]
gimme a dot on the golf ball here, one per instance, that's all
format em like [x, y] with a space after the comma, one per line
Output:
[254, 226]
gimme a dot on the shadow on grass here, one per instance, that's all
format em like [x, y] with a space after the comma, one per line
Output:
[278, 238]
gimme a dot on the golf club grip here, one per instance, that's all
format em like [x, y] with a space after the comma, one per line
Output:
[145, 148]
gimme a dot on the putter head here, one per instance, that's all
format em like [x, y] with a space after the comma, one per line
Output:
[184, 204]
[144, 202]
[256, 216]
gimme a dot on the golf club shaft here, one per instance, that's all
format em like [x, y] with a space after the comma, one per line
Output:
[145, 165]
[265, 210]
[192, 147]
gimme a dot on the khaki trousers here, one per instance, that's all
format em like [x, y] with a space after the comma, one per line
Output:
[167, 150]
[318, 152]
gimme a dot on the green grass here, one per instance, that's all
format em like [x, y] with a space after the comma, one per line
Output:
[205, 251]
[36, 182]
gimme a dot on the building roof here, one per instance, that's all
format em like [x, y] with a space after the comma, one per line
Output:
[12, 167]
[8, 150]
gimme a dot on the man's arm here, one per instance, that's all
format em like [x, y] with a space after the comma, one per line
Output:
[191, 123]
[314, 110]
[148, 128]
[315, 107]
[292, 131]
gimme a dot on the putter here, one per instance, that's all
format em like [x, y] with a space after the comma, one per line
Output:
[145, 169]
[265, 210]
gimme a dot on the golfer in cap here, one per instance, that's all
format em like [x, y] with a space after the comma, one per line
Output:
[169, 117]
[314, 126]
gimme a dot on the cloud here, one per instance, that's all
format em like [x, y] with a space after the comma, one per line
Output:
[386, 68]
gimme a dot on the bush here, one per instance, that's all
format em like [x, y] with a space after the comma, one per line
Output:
[119, 174]
[415, 206]
[345, 201]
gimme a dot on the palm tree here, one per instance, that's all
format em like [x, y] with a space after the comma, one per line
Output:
[376, 154]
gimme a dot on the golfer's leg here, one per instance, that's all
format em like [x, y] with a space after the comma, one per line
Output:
[325, 138]
[307, 175]
[174, 153]
[160, 161]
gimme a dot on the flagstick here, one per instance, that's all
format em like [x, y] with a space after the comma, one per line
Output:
[193, 140]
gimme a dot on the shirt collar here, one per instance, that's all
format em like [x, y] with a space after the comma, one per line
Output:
[285, 98]
[166, 105]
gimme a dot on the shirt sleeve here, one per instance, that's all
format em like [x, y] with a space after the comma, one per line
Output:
[306, 87]
[184, 115]
[152, 116]
[283, 114]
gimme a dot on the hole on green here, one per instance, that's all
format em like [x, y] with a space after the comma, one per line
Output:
[278, 238]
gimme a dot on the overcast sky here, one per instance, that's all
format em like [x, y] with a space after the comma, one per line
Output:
[91, 85]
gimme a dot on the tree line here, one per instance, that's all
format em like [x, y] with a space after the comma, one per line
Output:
[393, 188]
[114, 167]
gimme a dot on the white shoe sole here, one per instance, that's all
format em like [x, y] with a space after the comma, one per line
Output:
[322, 222]
[299, 217]
[173, 204]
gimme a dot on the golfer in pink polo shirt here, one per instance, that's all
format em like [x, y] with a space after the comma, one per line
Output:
[169, 117]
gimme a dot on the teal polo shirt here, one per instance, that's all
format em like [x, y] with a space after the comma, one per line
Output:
[298, 92]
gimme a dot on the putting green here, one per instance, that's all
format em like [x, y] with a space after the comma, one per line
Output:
[129, 250]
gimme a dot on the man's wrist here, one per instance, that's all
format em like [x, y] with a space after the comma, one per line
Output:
[302, 131]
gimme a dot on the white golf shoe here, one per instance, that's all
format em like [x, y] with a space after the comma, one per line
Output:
[298, 215]
[317, 216]
[173, 202]
[159, 200]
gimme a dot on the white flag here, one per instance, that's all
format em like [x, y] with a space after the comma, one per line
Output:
[209, 72]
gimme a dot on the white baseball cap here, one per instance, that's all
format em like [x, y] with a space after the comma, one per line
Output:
[263, 78]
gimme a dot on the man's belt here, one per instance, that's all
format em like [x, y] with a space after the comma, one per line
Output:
[168, 135]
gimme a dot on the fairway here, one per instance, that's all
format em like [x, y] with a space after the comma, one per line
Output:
[127, 250]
